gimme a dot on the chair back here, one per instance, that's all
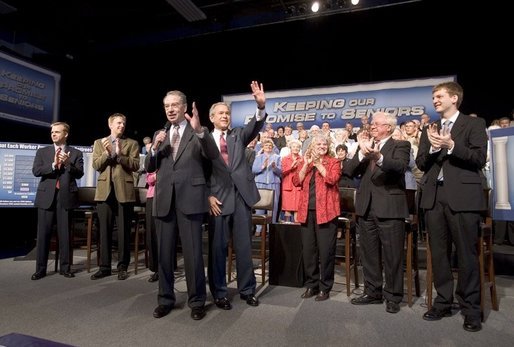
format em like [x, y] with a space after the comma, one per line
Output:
[141, 196]
[347, 199]
[266, 201]
[86, 196]
[411, 201]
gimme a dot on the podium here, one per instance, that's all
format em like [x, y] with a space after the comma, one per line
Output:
[285, 255]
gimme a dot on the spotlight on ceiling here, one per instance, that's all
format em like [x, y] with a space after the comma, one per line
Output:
[355, 2]
[315, 6]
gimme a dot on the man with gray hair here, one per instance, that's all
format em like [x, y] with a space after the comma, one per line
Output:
[381, 208]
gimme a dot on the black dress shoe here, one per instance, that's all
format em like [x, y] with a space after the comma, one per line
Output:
[122, 274]
[392, 307]
[161, 311]
[223, 303]
[38, 275]
[250, 299]
[322, 296]
[472, 323]
[100, 274]
[154, 277]
[309, 293]
[366, 300]
[198, 312]
[67, 274]
[437, 314]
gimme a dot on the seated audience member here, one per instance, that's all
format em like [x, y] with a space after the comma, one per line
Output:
[267, 168]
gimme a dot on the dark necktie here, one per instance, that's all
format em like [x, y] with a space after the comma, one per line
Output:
[57, 152]
[223, 148]
[446, 128]
[175, 140]
[374, 162]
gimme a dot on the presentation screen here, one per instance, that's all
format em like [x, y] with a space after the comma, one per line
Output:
[18, 184]
[28, 93]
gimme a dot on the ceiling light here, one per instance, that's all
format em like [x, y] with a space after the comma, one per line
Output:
[315, 6]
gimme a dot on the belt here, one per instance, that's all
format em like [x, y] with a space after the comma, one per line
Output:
[440, 183]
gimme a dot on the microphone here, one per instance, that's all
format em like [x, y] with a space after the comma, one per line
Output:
[166, 127]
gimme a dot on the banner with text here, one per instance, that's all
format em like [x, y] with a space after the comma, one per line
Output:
[407, 99]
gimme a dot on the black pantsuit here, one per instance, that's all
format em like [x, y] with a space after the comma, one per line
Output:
[319, 252]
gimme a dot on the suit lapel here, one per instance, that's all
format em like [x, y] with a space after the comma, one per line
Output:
[184, 140]
[459, 125]
[231, 145]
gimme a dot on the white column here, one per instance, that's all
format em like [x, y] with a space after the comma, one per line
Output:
[501, 175]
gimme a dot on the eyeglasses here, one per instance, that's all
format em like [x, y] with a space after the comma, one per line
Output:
[377, 125]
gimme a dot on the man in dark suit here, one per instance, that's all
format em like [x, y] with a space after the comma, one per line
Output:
[116, 158]
[381, 207]
[233, 192]
[453, 197]
[180, 201]
[59, 166]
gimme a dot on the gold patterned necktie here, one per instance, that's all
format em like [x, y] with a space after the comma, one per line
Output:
[175, 140]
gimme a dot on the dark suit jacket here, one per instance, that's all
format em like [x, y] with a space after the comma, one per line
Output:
[68, 191]
[238, 173]
[118, 170]
[386, 183]
[345, 180]
[183, 176]
[461, 169]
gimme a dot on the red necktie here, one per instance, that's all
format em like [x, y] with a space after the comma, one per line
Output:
[223, 148]
[57, 184]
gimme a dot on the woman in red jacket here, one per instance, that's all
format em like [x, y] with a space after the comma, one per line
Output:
[290, 193]
[318, 175]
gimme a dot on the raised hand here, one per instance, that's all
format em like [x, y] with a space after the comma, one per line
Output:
[365, 143]
[57, 159]
[433, 136]
[194, 120]
[258, 94]
[106, 143]
[64, 157]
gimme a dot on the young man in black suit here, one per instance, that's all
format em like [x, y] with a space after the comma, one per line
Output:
[451, 153]
[59, 166]
[233, 192]
[180, 202]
